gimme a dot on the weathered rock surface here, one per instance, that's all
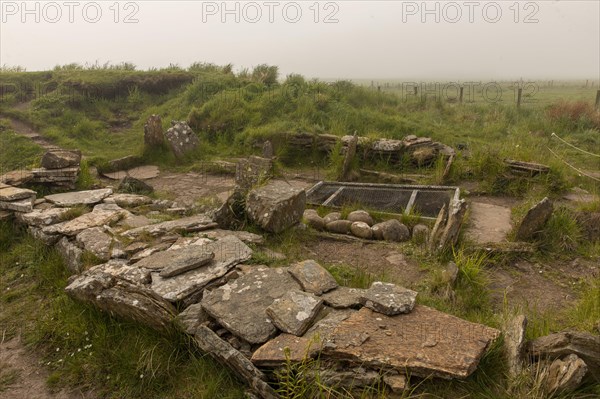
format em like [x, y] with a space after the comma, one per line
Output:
[393, 230]
[423, 342]
[514, 342]
[191, 256]
[58, 159]
[456, 215]
[17, 177]
[245, 236]
[193, 317]
[257, 290]
[130, 200]
[187, 224]
[71, 254]
[252, 171]
[119, 289]
[396, 382]
[227, 355]
[177, 268]
[44, 217]
[313, 219]
[339, 226]
[131, 185]
[312, 277]
[361, 230]
[229, 251]
[267, 149]
[96, 241]
[535, 219]
[360, 216]
[344, 297]
[87, 197]
[276, 206]
[564, 375]
[582, 344]
[38, 234]
[231, 214]
[294, 312]
[98, 217]
[181, 139]
[389, 299]
[21, 205]
[153, 132]
[9, 193]
[273, 353]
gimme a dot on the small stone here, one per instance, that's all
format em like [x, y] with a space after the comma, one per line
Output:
[313, 219]
[564, 375]
[396, 382]
[344, 297]
[361, 230]
[131, 185]
[389, 299]
[535, 219]
[294, 312]
[58, 159]
[420, 233]
[339, 226]
[360, 216]
[332, 217]
[129, 200]
[450, 274]
[174, 270]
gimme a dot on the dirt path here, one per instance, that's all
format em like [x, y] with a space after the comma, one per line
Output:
[29, 132]
[22, 376]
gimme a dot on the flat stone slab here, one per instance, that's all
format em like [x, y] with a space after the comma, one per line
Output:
[488, 223]
[22, 205]
[16, 177]
[313, 277]
[535, 219]
[228, 252]
[54, 173]
[98, 217]
[294, 312]
[10, 193]
[44, 217]
[423, 343]
[189, 256]
[187, 224]
[285, 346]
[344, 297]
[87, 197]
[141, 172]
[245, 236]
[389, 299]
[130, 200]
[240, 305]
[96, 241]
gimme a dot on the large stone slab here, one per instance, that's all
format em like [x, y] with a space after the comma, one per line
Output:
[228, 252]
[119, 289]
[9, 193]
[423, 343]
[240, 305]
[245, 236]
[44, 217]
[535, 219]
[313, 277]
[276, 206]
[488, 223]
[98, 217]
[187, 224]
[389, 299]
[87, 197]
[294, 312]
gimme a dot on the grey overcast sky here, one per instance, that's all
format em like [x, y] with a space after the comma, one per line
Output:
[326, 39]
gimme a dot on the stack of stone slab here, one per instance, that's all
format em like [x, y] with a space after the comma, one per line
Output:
[16, 199]
[59, 169]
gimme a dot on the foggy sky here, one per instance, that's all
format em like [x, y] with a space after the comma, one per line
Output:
[371, 39]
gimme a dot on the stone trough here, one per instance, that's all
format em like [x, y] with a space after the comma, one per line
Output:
[427, 201]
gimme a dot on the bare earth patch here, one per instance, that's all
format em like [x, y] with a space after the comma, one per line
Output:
[22, 376]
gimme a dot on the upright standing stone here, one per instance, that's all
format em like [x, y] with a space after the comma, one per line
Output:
[251, 171]
[276, 206]
[153, 132]
[535, 219]
[267, 150]
[181, 139]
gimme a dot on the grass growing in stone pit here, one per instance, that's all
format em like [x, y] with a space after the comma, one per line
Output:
[86, 348]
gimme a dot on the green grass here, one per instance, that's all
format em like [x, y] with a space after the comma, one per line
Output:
[84, 347]
[16, 152]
